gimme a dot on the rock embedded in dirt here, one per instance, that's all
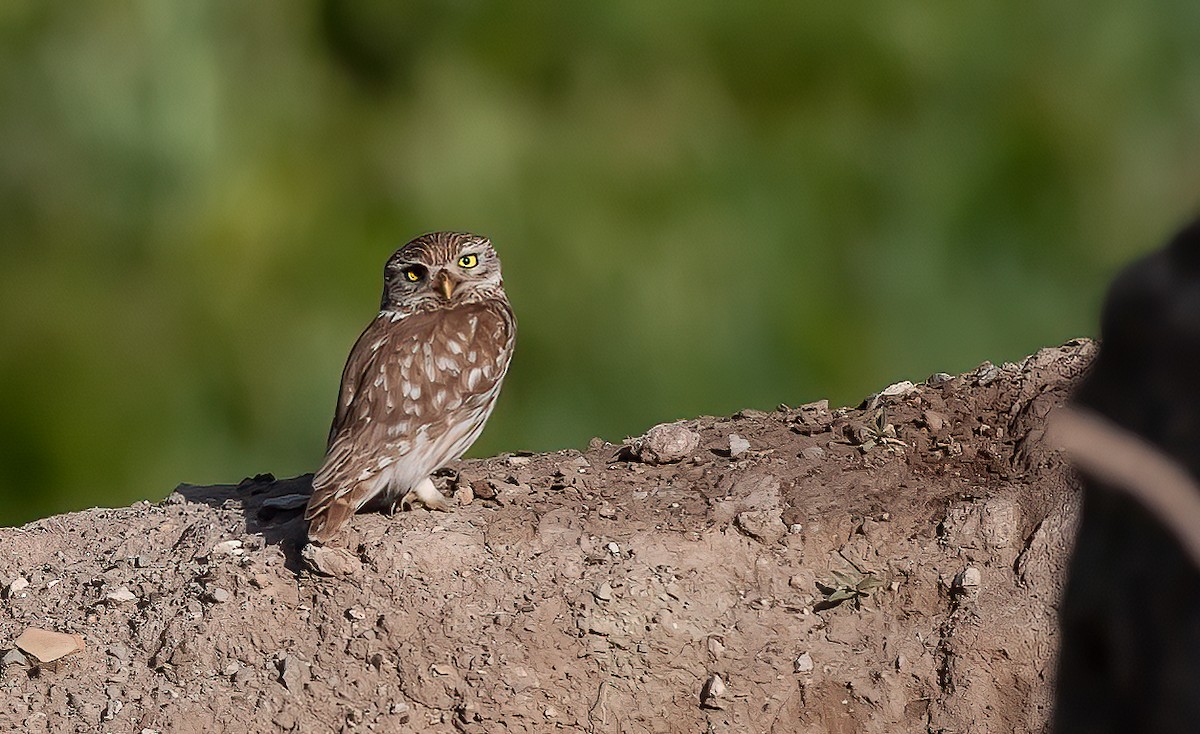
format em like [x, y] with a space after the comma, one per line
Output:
[326, 561]
[120, 595]
[968, 579]
[738, 445]
[713, 691]
[47, 645]
[293, 672]
[16, 586]
[765, 526]
[803, 664]
[666, 443]
[227, 548]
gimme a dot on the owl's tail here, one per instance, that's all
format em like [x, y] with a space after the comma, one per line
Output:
[336, 496]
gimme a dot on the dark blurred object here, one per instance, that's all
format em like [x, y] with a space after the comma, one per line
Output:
[1131, 614]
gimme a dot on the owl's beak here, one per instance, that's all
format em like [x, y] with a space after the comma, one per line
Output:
[445, 283]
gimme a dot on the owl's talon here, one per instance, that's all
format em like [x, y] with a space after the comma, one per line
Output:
[427, 495]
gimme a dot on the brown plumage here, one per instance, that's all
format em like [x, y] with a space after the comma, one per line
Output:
[420, 381]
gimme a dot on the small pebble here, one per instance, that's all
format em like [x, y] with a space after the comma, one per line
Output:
[18, 585]
[666, 444]
[607, 511]
[112, 709]
[987, 373]
[738, 445]
[938, 378]
[712, 691]
[228, 548]
[327, 561]
[803, 664]
[216, 595]
[120, 595]
[968, 578]
[603, 592]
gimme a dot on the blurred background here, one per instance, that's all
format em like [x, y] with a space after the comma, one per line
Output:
[701, 206]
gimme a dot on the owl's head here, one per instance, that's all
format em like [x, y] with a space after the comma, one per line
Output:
[441, 269]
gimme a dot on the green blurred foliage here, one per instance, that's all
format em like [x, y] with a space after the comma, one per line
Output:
[701, 206]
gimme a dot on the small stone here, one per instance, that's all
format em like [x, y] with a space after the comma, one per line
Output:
[399, 709]
[967, 579]
[901, 662]
[803, 664]
[17, 585]
[227, 548]
[464, 494]
[738, 445]
[604, 592]
[614, 549]
[812, 453]
[216, 595]
[293, 673]
[795, 528]
[716, 647]
[112, 709]
[356, 614]
[765, 526]
[938, 378]
[607, 511]
[485, 489]
[666, 444]
[118, 651]
[326, 561]
[14, 657]
[120, 595]
[231, 669]
[986, 373]
[712, 691]
[897, 389]
[933, 421]
[48, 646]
[550, 712]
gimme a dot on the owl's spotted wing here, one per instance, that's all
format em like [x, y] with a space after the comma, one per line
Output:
[414, 395]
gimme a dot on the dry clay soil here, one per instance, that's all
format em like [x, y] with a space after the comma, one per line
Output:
[888, 568]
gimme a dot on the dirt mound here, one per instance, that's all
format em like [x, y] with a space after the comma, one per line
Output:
[893, 567]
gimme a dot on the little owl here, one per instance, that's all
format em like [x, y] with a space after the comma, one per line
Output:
[419, 383]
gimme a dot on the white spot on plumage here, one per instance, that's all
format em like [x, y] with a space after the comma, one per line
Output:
[454, 347]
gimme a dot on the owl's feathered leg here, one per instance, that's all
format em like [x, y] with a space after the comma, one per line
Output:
[425, 494]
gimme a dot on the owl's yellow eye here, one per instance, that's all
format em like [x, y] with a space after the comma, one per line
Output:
[468, 261]
[412, 275]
